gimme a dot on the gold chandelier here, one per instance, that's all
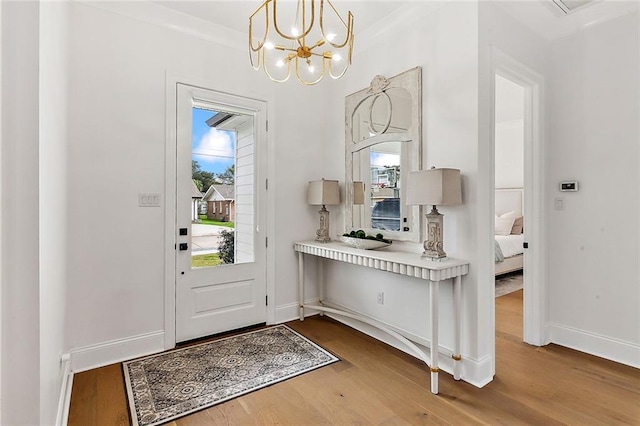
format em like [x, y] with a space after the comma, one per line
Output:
[310, 52]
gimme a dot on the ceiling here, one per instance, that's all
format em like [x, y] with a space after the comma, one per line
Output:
[235, 14]
[549, 21]
[542, 16]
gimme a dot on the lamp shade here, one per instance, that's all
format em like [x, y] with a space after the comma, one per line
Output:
[438, 187]
[358, 193]
[321, 192]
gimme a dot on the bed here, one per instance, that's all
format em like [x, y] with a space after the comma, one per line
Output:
[509, 236]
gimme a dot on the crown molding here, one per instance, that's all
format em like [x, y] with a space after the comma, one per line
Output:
[171, 19]
[155, 14]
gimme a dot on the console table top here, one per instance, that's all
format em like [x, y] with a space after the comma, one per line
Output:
[387, 259]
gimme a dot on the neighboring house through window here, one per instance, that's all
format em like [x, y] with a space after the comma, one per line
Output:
[221, 199]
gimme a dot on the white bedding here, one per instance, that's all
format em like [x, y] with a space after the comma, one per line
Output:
[511, 245]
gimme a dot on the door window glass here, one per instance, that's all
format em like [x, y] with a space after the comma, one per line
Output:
[222, 213]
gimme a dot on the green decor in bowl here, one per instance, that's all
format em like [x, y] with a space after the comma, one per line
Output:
[359, 239]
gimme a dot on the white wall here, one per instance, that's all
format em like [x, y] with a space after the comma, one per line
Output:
[116, 135]
[299, 147]
[594, 242]
[115, 149]
[443, 40]
[34, 202]
[1, 203]
[20, 214]
[509, 155]
[591, 134]
[509, 134]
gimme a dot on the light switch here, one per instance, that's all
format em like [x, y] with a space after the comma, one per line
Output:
[148, 200]
[558, 203]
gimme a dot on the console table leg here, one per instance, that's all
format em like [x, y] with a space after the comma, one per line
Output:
[457, 324]
[321, 283]
[433, 305]
[301, 284]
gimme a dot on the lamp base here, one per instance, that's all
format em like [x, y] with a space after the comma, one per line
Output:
[433, 244]
[322, 234]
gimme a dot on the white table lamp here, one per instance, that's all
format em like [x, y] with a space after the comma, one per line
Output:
[438, 187]
[320, 193]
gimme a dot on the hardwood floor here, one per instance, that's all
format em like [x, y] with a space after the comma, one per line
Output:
[376, 384]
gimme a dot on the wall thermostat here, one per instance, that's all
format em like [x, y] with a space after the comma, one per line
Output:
[570, 186]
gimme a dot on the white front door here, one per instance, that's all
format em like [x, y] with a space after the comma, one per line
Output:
[220, 250]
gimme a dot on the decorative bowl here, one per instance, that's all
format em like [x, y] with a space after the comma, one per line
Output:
[363, 243]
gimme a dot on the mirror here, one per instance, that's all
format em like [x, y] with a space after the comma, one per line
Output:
[383, 140]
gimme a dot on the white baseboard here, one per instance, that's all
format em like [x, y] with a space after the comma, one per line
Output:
[64, 400]
[474, 371]
[290, 311]
[101, 354]
[478, 372]
[621, 351]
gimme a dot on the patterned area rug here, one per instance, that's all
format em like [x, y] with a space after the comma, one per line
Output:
[173, 384]
[508, 283]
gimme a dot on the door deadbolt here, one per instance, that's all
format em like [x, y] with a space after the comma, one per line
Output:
[184, 246]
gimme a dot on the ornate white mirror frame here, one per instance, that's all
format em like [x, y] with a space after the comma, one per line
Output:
[383, 121]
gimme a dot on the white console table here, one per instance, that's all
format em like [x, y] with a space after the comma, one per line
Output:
[397, 262]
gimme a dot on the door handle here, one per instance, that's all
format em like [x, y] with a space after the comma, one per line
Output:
[184, 246]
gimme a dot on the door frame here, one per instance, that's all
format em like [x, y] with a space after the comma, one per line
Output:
[170, 220]
[535, 330]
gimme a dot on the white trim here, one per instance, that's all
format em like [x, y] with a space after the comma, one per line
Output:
[101, 354]
[2, 282]
[478, 372]
[291, 311]
[270, 175]
[617, 350]
[511, 124]
[64, 402]
[170, 19]
[535, 282]
[170, 174]
[67, 400]
[172, 80]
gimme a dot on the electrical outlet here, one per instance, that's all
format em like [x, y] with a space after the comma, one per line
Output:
[380, 298]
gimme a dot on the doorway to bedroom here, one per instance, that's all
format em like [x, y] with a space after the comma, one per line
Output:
[518, 153]
[509, 190]
[509, 185]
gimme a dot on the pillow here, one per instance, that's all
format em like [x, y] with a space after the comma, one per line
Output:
[518, 226]
[504, 223]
